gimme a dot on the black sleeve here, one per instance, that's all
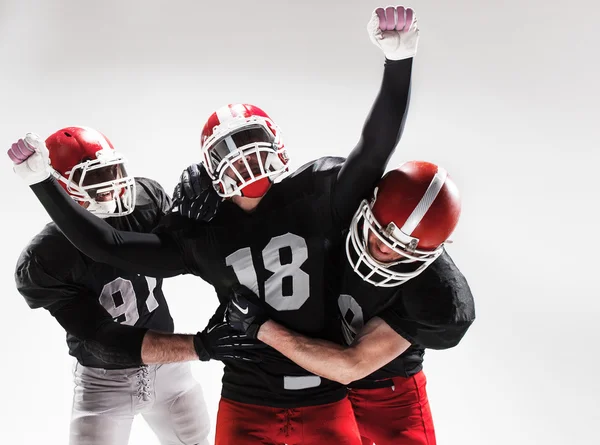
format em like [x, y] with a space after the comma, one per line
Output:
[148, 254]
[111, 342]
[79, 313]
[435, 309]
[380, 135]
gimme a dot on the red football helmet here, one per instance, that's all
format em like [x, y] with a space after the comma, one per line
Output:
[396, 236]
[242, 151]
[87, 166]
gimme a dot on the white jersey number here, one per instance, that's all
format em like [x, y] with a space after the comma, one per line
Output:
[243, 266]
[353, 319]
[120, 301]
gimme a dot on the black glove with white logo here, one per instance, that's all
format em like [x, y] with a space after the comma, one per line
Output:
[243, 315]
[220, 341]
[195, 197]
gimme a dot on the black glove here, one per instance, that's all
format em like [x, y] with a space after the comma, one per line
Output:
[244, 315]
[194, 196]
[220, 341]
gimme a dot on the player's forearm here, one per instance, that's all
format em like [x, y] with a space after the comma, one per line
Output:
[110, 342]
[89, 234]
[168, 348]
[321, 357]
[384, 125]
[135, 252]
[380, 135]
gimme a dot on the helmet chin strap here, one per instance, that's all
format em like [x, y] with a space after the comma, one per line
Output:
[102, 209]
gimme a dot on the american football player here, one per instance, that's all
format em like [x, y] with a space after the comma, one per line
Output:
[275, 233]
[400, 294]
[101, 307]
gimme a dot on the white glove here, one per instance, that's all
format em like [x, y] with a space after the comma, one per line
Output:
[395, 31]
[30, 157]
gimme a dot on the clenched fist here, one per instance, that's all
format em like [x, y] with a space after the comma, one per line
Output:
[30, 158]
[395, 31]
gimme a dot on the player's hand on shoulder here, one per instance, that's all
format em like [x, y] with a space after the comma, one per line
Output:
[243, 314]
[219, 341]
[30, 159]
[395, 31]
[195, 197]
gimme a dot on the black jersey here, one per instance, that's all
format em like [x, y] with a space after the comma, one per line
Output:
[432, 310]
[51, 273]
[282, 250]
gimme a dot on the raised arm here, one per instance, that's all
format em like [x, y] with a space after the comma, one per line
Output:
[143, 253]
[398, 38]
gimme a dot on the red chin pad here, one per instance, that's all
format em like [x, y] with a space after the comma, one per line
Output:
[256, 189]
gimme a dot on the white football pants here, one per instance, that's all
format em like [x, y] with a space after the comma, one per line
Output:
[167, 396]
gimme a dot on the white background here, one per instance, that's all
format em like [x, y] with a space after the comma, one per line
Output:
[505, 96]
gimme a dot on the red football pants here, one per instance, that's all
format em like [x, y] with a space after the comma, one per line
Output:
[244, 424]
[398, 415]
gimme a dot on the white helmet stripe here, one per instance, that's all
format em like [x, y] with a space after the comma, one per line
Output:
[426, 201]
[224, 114]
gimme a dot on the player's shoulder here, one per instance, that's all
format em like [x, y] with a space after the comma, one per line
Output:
[446, 273]
[149, 185]
[49, 241]
[48, 269]
[49, 250]
[440, 291]
[151, 204]
[148, 192]
[313, 177]
[324, 166]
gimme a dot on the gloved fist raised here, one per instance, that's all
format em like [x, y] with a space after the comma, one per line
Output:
[395, 31]
[30, 158]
